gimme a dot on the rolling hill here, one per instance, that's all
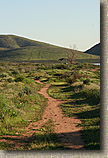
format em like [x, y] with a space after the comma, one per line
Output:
[95, 50]
[17, 48]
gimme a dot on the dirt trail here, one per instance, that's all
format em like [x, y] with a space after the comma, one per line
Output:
[65, 127]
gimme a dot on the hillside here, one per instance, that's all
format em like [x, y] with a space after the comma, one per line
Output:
[95, 50]
[18, 48]
[12, 42]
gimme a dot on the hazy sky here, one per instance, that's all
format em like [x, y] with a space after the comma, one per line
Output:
[61, 22]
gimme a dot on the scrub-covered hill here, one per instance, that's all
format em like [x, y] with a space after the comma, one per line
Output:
[17, 48]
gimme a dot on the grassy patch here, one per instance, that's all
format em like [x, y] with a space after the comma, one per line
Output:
[82, 101]
[5, 146]
[19, 101]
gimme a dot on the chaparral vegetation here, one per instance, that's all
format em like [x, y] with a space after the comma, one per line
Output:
[76, 85]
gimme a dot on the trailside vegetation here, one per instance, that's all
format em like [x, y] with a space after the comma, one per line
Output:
[77, 84]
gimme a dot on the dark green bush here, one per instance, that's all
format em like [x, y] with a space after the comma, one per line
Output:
[20, 94]
[93, 94]
[2, 75]
[37, 77]
[86, 81]
[71, 79]
[10, 80]
[27, 90]
[74, 77]
[19, 78]
[60, 66]
[78, 88]
[15, 72]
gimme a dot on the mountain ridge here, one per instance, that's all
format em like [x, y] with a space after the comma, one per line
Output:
[14, 47]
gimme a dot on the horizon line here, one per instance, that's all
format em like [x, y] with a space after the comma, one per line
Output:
[48, 42]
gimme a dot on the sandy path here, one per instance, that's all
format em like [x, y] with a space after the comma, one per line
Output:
[65, 127]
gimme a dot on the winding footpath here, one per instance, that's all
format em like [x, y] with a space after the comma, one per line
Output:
[65, 127]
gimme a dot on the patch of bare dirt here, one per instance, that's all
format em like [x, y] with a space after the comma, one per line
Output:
[94, 69]
[38, 81]
[65, 127]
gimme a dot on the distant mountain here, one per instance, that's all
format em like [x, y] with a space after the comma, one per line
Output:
[18, 48]
[95, 50]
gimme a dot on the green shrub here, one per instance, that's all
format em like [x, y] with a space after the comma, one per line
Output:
[19, 78]
[75, 77]
[27, 90]
[86, 81]
[10, 80]
[2, 75]
[15, 72]
[20, 94]
[37, 77]
[28, 81]
[93, 94]
[60, 66]
[78, 88]
[71, 79]
[82, 78]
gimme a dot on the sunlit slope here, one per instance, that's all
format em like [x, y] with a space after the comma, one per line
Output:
[19, 48]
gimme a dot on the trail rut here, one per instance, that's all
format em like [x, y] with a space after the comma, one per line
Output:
[65, 127]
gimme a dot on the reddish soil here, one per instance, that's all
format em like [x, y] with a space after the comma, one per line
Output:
[65, 127]
[38, 81]
[94, 69]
